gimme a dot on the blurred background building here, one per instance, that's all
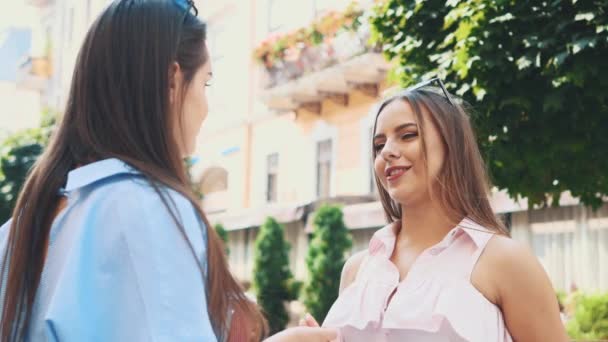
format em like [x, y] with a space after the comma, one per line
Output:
[287, 133]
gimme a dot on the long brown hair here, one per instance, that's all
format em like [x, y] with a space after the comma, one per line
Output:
[462, 185]
[118, 107]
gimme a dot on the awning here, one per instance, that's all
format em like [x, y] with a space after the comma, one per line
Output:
[362, 215]
[501, 202]
[358, 216]
[255, 217]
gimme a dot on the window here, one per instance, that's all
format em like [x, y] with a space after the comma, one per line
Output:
[507, 219]
[272, 165]
[324, 154]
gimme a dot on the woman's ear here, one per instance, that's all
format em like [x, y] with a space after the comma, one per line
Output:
[175, 81]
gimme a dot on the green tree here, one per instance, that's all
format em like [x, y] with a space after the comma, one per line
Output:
[223, 234]
[18, 153]
[271, 275]
[536, 73]
[330, 241]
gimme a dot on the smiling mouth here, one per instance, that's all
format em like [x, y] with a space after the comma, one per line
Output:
[395, 172]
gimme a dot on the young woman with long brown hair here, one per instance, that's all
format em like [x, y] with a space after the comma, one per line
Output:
[444, 268]
[107, 242]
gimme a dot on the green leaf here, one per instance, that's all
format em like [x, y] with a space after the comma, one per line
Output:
[523, 62]
[590, 320]
[559, 59]
[580, 44]
[584, 16]
[502, 18]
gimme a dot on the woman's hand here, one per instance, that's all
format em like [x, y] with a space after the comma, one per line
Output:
[309, 321]
[304, 334]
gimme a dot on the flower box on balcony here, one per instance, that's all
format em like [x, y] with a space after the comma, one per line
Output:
[334, 38]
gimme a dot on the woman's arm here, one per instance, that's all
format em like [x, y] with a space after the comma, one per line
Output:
[523, 291]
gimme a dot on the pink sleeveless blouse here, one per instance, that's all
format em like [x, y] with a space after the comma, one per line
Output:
[435, 302]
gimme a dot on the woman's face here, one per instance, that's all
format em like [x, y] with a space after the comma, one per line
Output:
[399, 162]
[194, 108]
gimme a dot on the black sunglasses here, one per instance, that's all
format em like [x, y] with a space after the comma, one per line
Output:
[419, 86]
[188, 6]
[404, 92]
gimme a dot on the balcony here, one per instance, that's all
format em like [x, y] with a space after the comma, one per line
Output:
[327, 61]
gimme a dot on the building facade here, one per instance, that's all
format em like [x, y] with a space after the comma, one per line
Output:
[285, 135]
[25, 58]
[305, 139]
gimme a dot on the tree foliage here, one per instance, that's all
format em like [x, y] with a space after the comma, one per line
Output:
[590, 319]
[536, 73]
[223, 234]
[271, 275]
[330, 242]
[18, 153]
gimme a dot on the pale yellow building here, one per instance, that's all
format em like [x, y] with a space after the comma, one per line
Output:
[23, 98]
[282, 141]
[277, 144]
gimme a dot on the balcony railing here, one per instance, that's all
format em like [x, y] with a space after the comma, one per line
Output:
[307, 59]
[328, 60]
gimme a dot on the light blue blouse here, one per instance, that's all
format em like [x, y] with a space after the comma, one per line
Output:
[117, 267]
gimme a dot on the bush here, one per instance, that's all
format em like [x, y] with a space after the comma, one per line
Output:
[223, 234]
[271, 275]
[561, 296]
[295, 289]
[18, 153]
[590, 320]
[325, 259]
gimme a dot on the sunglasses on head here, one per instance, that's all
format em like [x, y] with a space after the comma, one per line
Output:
[421, 85]
[187, 6]
[404, 92]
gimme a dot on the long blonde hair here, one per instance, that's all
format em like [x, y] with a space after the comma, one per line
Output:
[462, 185]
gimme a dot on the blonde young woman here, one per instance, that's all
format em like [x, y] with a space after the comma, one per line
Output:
[444, 268]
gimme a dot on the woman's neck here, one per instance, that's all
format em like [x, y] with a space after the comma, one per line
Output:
[424, 224]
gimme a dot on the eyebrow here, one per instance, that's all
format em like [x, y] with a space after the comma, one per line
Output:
[397, 129]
